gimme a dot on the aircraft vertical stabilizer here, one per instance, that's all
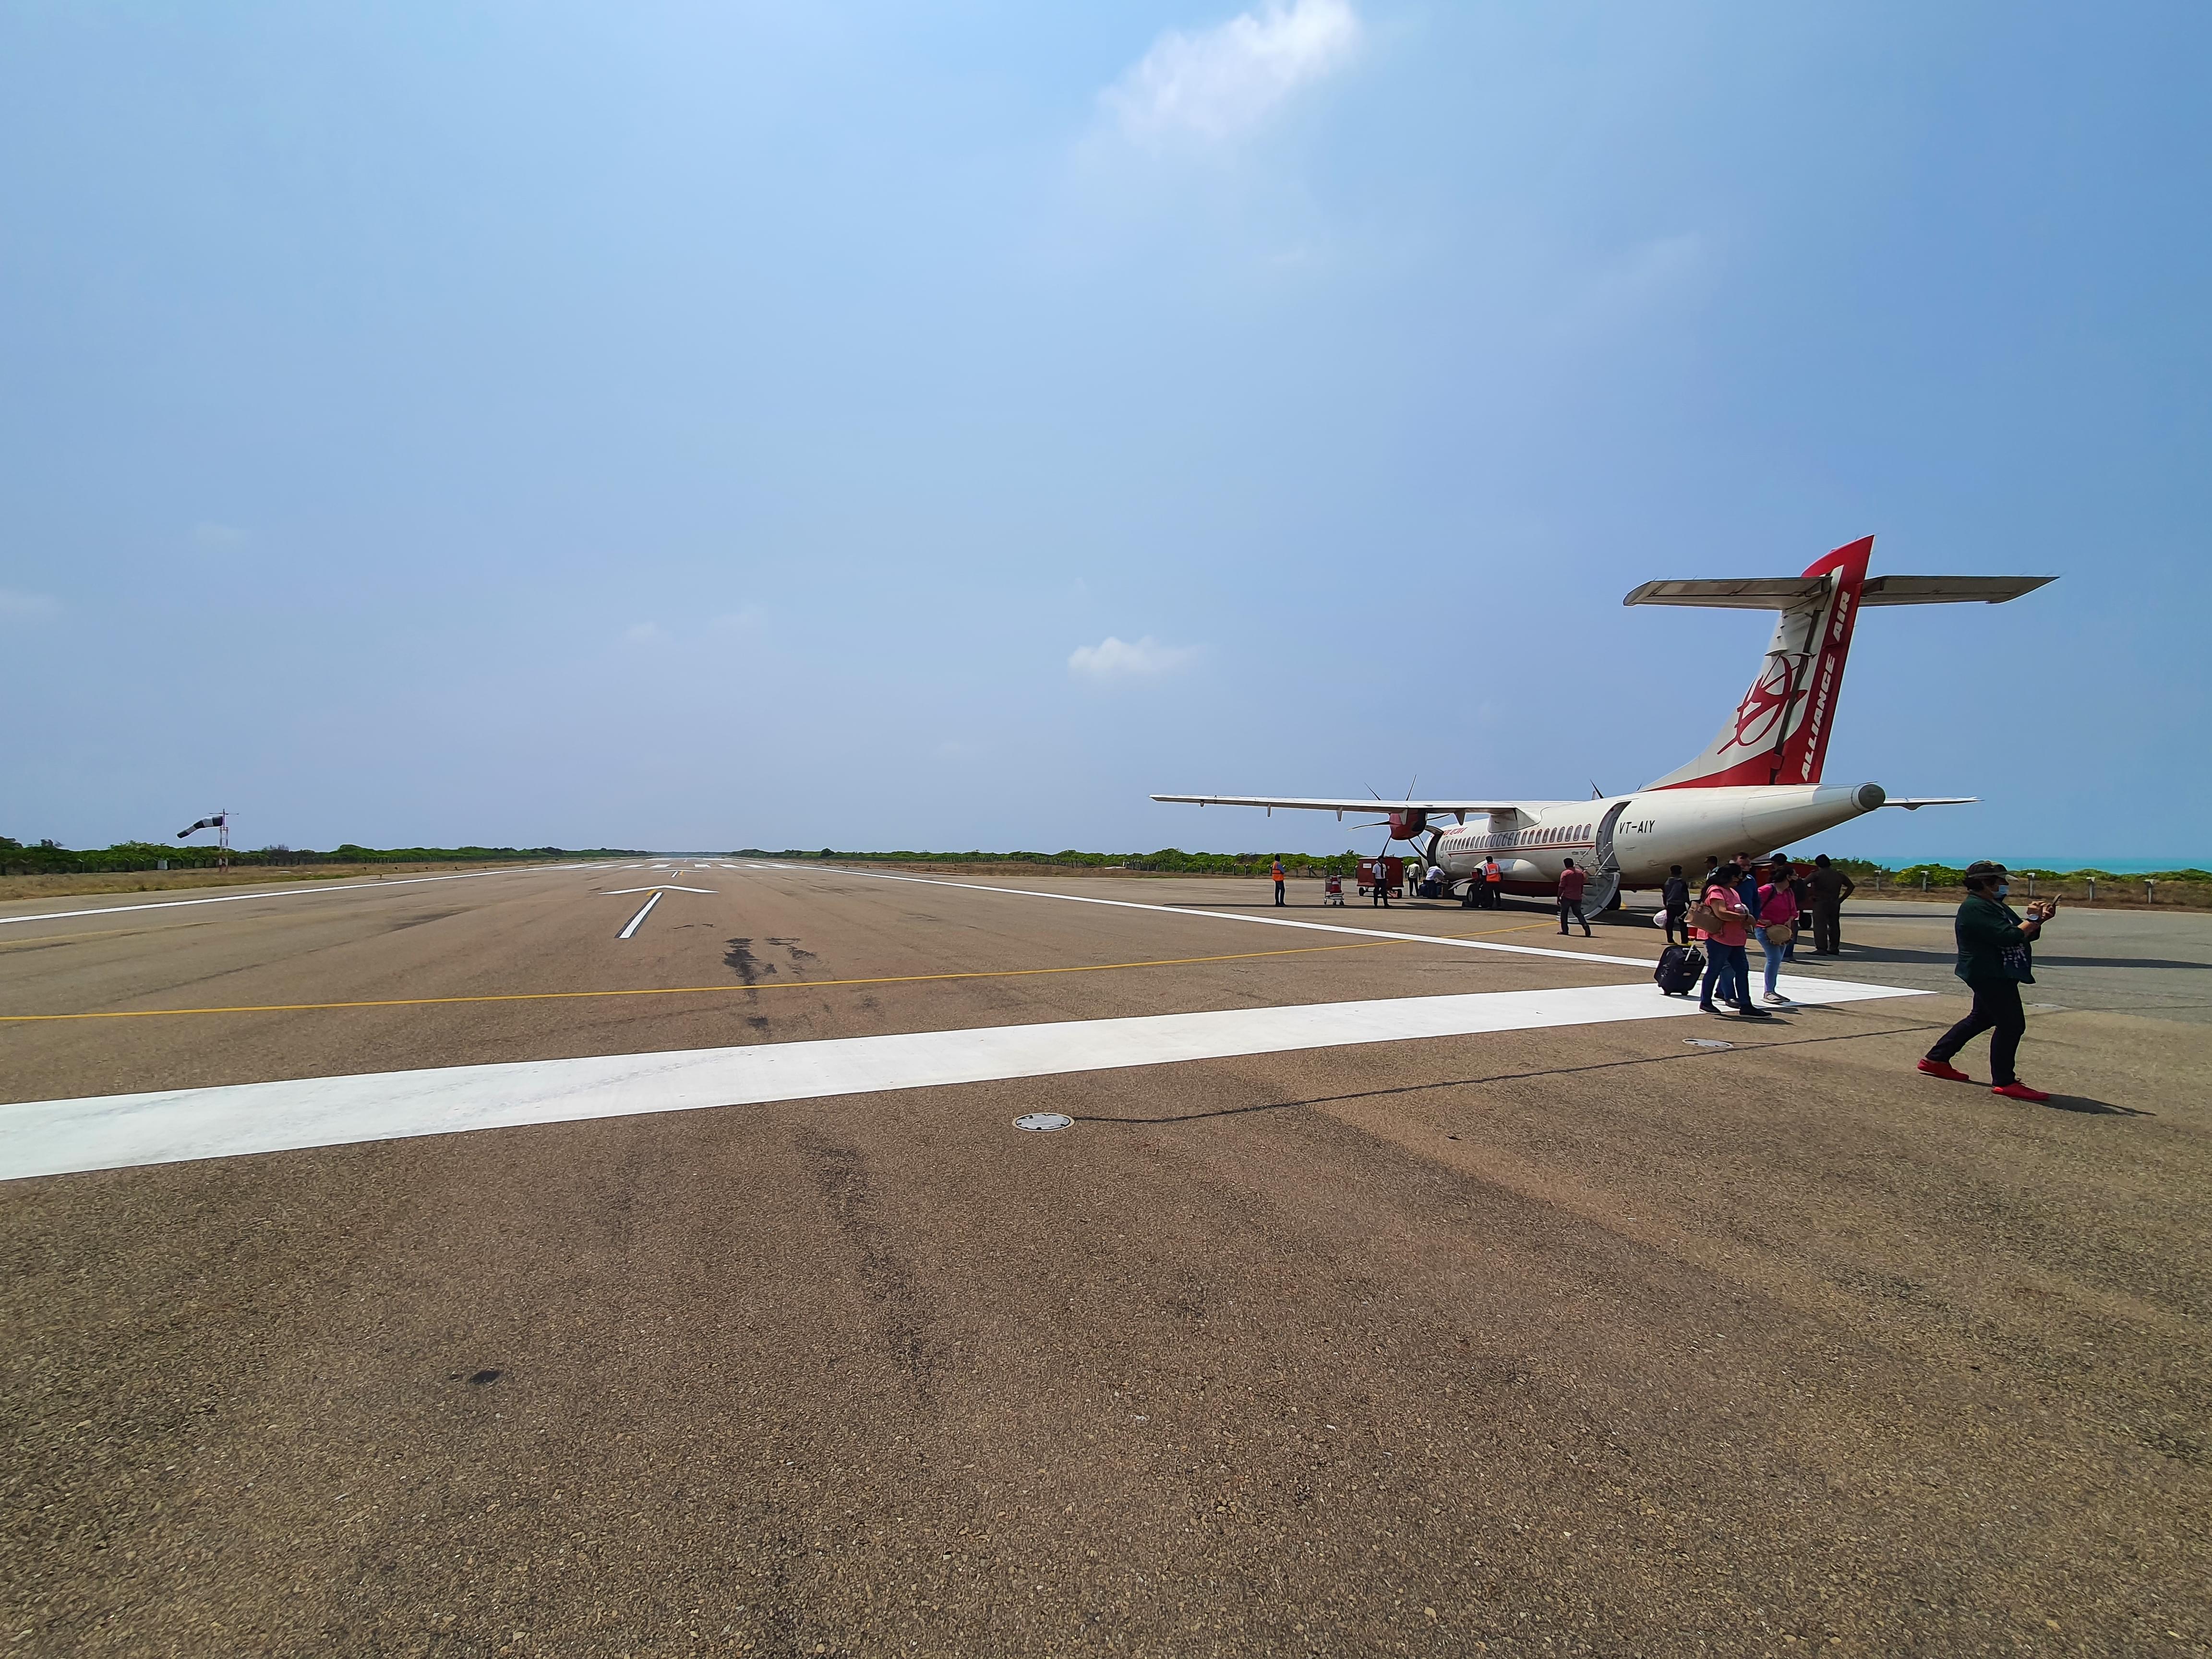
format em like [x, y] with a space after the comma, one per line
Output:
[1779, 732]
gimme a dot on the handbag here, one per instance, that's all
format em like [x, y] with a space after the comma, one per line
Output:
[1706, 919]
[1782, 933]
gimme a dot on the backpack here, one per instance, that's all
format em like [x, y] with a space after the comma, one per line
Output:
[1680, 967]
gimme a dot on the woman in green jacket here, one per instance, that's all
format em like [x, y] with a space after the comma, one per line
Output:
[1996, 958]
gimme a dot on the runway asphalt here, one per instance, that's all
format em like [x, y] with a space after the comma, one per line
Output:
[1550, 1338]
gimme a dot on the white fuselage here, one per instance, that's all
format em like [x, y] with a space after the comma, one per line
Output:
[1652, 830]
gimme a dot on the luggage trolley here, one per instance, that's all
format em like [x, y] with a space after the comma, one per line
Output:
[1331, 890]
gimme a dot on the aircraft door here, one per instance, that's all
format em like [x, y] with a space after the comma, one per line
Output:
[1605, 860]
[1605, 883]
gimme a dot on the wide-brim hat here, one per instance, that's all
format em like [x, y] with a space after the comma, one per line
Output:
[1981, 869]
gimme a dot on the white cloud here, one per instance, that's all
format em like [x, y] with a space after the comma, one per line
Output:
[1111, 660]
[1225, 80]
[13, 603]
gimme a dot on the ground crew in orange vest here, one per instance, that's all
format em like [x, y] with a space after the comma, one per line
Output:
[1493, 882]
[1276, 870]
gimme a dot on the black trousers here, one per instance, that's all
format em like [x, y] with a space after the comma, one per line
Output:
[1279, 892]
[1996, 1010]
[1828, 927]
[1573, 906]
[1678, 922]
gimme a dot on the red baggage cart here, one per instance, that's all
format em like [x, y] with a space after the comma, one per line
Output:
[1391, 871]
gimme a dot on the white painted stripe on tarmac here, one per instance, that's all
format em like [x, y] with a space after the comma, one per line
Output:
[637, 920]
[111, 1132]
[289, 892]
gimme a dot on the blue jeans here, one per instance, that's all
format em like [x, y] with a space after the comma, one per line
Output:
[1776, 955]
[1727, 973]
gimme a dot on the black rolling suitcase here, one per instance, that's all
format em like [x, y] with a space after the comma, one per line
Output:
[1680, 967]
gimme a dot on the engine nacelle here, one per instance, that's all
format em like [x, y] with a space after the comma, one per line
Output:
[1405, 825]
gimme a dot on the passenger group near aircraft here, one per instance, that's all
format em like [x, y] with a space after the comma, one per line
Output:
[1756, 787]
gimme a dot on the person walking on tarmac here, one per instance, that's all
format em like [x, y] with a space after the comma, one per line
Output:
[1801, 889]
[1728, 970]
[1493, 884]
[1748, 889]
[1571, 882]
[1675, 903]
[1778, 920]
[1831, 887]
[1276, 870]
[1996, 958]
[1380, 893]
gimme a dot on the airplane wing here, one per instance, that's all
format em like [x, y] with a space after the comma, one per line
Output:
[1340, 807]
[1934, 800]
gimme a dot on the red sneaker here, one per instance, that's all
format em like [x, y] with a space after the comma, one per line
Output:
[2018, 1091]
[1945, 1069]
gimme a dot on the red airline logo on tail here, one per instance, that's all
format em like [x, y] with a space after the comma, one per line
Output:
[1762, 706]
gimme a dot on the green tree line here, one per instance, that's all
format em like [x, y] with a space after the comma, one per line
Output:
[52, 858]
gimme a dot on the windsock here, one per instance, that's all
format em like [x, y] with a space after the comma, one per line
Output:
[215, 823]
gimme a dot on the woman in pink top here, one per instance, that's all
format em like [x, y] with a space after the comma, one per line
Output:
[1778, 908]
[1728, 970]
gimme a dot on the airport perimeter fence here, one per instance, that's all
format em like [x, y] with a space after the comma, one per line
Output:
[2169, 890]
[2103, 890]
[1168, 861]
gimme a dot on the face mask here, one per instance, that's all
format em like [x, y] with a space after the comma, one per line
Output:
[2004, 887]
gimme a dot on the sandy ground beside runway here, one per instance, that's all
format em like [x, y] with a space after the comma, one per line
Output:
[1545, 1341]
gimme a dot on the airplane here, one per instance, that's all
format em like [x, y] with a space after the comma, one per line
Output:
[1756, 785]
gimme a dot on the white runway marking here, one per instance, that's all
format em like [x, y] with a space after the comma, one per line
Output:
[664, 887]
[288, 892]
[639, 917]
[57, 1137]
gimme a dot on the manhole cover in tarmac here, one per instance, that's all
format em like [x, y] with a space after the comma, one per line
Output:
[1707, 1042]
[1043, 1122]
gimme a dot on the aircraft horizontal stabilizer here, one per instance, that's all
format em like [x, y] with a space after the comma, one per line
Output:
[1785, 592]
[1934, 800]
[1947, 590]
[1731, 592]
[1368, 804]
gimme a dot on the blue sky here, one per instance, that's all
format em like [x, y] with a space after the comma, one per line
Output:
[700, 426]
